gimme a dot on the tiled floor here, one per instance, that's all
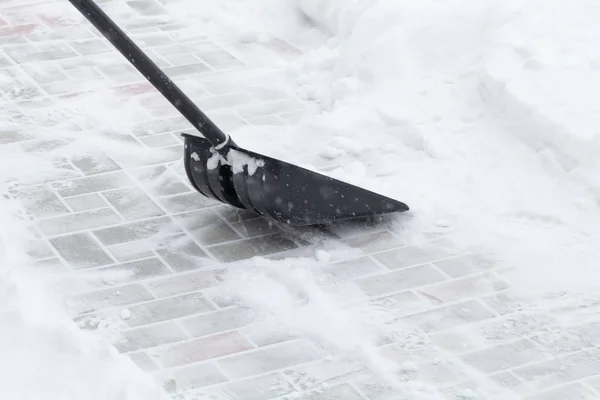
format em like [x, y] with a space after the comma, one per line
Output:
[168, 276]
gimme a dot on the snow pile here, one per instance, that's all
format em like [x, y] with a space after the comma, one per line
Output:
[481, 115]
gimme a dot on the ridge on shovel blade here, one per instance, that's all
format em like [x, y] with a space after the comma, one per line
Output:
[221, 170]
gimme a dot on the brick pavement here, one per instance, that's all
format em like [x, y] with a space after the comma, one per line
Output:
[153, 266]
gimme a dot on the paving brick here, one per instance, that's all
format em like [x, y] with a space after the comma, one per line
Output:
[144, 362]
[91, 184]
[218, 321]
[189, 378]
[409, 256]
[558, 342]
[219, 59]
[160, 140]
[86, 202]
[169, 308]
[402, 304]
[96, 164]
[505, 356]
[106, 298]
[40, 202]
[563, 369]
[90, 46]
[269, 359]
[131, 251]
[575, 391]
[244, 249]
[339, 392]
[186, 202]
[133, 204]
[134, 271]
[182, 254]
[264, 387]
[45, 73]
[80, 221]
[206, 227]
[255, 227]
[464, 265]
[401, 280]
[190, 69]
[450, 316]
[375, 242]
[185, 283]
[159, 181]
[149, 336]
[162, 226]
[464, 288]
[352, 269]
[81, 250]
[201, 349]
[38, 249]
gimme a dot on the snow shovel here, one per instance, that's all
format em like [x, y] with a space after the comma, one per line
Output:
[221, 170]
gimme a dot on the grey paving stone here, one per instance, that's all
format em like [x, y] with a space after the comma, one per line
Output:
[568, 368]
[464, 265]
[269, 359]
[352, 269]
[81, 250]
[149, 336]
[464, 288]
[39, 249]
[505, 356]
[185, 283]
[169, 308]
[408, 278]
[218, 321]
[375, 242]
[206, 227]
[201, 349]
[255, 227]
[113, 297]
[162, 226]
[451, 316]
[96, 164]
[77, 222]
[575, 391]
[133, 204]
[144, 362]
[86, 202]
[133, 271]
[182, 254]
[409, 256]
[244, 249]
[91, 184]
[185, 379]
[40, 202]
[262, 387]
[131, 251]
[159, 181]
[186, 202]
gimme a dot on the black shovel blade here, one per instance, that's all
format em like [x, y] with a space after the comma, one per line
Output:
[276, 189]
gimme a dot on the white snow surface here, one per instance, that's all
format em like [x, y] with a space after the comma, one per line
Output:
[481, 116]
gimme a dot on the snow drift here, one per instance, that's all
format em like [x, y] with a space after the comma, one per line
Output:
[481, 116]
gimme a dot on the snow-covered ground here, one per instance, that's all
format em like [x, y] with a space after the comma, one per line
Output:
[481, 116]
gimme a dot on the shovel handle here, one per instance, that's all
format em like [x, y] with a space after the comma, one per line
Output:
[153, 74]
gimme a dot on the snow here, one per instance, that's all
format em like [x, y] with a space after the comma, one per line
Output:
[484, 114]
[481, 116]
[44, 354]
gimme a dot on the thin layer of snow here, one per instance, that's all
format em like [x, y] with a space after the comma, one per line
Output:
[44, 355]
